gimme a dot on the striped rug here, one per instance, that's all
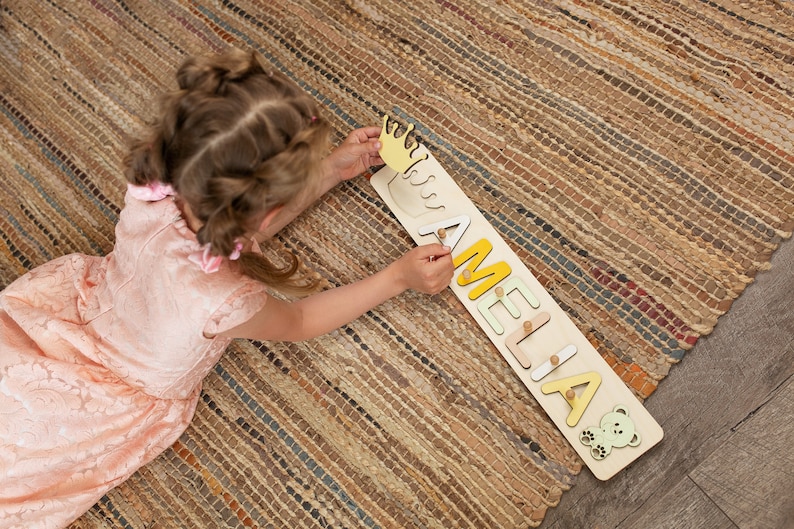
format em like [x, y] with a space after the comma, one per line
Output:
[637, 155]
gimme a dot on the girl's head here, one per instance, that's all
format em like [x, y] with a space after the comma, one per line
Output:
[235, 141]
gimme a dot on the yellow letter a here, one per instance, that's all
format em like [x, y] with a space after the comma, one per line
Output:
[565, 387]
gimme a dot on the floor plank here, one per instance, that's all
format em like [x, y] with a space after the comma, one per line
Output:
[719, 384]
[755, 466]
[683, 507]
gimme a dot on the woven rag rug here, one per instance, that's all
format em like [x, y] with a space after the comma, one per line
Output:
[637, 155]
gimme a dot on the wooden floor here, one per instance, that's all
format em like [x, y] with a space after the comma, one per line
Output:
[727, 459]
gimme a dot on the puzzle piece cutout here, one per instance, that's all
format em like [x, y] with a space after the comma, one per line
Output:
[405, 188]
[427, 201]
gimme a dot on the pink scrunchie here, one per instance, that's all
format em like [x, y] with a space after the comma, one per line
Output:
[151, 192]
[212, 263]
[203, 258]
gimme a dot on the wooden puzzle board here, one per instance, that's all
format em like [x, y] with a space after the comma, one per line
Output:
[581, 394]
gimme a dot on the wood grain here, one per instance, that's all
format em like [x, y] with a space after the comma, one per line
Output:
[684, 506]
[707, 407]
[751, 476]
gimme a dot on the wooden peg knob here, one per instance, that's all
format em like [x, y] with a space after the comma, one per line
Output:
[441, 233]
[570, 394]
[467, 274]
[527, 326]
[555, 360]
[499, 292]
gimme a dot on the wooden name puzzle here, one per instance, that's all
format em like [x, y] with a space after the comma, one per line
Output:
[596, 412]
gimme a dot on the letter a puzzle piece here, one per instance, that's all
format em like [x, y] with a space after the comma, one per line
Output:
[428, 195]
[441, 230]
[565, 388]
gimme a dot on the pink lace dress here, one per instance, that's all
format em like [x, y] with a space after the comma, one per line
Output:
[101, 362]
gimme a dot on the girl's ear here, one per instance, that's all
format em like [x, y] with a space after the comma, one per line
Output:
[269, 216]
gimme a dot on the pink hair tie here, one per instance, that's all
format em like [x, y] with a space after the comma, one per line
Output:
[314, 118]
[212, 263]
[238, 247]
[151, 192]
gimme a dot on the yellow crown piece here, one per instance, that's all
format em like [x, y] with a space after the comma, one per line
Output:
[395, 151]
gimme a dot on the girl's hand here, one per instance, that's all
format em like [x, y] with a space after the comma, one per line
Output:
[427, 269]
[353, 156]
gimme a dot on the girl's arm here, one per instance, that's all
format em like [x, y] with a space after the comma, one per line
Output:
[352, 157]
[322, 313]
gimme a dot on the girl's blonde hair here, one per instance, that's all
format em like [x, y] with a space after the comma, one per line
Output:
[235, 141]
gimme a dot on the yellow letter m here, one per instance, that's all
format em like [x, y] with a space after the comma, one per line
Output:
[492, 274]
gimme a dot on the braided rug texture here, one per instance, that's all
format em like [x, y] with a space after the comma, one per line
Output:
[637, 155]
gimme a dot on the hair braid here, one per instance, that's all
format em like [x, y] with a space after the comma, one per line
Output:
[235, 141]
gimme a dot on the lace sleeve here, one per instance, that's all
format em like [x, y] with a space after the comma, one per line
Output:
[238, 308]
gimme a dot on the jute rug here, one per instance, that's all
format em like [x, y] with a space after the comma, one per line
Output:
[636, 154]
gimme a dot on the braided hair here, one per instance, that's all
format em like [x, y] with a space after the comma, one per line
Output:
[234, 141]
